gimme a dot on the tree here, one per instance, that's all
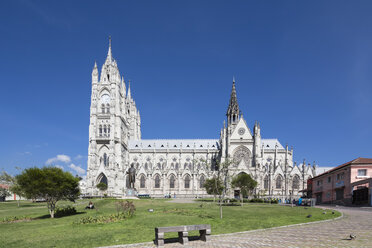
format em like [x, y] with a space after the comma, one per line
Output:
[13, 186]
[102, 186]
[213, 187]
[4, 192]
[245, 183]
[49, 183]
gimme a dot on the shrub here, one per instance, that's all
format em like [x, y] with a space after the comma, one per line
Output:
[11, 219]
[101, 219]
[125, 207]
[65, 211]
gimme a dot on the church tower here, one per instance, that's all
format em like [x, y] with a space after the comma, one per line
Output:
[233, 112]
[114, 119]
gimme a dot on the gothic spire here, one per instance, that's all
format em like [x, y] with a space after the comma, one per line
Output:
[233, 112]
[109, 53]
[129, 95]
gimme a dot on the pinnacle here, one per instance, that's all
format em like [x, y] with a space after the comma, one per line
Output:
[233, 104]
[109, 53]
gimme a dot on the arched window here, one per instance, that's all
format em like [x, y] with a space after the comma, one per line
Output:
[108, 130]
[279, 180]
[172, 181]
[105, 159]
[296, 182]
[100, 130]
[174, 164]
[266, 182]
[202, 181]
[107, 108]
[187, 182]
[148, 163]
[104, 130]
[157, 181]
[102, 179]
[142, 182]
[103, 108]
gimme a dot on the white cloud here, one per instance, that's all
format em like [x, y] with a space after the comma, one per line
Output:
[62, 158]
[28, 153]
[78, 157]
[59, 166]
[78, 169]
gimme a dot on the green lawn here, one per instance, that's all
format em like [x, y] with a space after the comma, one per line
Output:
[61, 232]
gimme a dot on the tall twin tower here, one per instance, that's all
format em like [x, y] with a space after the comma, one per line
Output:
[177, 166]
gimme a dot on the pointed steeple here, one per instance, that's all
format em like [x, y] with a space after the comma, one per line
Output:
[109, 53]
[129, 95]
[95, 73]
[233, 112]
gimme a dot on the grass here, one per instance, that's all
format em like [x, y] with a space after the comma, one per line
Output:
[61, 232]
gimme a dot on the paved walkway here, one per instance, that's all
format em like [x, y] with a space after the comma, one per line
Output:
[357, 221]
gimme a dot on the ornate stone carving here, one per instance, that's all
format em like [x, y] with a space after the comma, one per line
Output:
[241, 153]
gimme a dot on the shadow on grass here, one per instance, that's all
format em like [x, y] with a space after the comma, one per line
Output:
[47, 216]
[176, 240]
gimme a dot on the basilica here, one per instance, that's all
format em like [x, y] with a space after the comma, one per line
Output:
[178, 166]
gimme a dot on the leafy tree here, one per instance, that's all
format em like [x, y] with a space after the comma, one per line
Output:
[221, 173]
[102, 186]
[12, 182]
[245, 183]
[49, 183]
[213, 187]
[4, 192]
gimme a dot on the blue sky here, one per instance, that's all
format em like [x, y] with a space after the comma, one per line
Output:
[303, 69]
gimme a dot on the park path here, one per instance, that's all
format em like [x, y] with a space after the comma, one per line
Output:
[332, 234]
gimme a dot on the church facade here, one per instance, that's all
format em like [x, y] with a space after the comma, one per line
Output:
[178, 166]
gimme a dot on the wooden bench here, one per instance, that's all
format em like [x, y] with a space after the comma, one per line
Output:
[183, 233]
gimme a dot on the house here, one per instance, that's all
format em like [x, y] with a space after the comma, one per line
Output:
[346, 184]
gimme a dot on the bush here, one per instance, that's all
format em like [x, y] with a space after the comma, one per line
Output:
[65, 211]
[11, 219]
[125, 207]
[101, 219]
[257, 200]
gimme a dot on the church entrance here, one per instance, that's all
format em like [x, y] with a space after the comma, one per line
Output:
[237, 194]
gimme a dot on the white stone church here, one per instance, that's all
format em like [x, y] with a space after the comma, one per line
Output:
[178, 166]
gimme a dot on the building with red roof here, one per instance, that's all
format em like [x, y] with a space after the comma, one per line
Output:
[346, 184]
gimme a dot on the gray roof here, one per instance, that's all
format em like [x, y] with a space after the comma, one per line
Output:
[271, 143]
[185, 144]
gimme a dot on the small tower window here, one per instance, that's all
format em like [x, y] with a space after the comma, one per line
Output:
[108, 130]
[100, 130]
[107, 108]
[105, 159]
[103, 108]
[104, 131]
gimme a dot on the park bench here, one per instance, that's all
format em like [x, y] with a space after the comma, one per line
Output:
[183, 233]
